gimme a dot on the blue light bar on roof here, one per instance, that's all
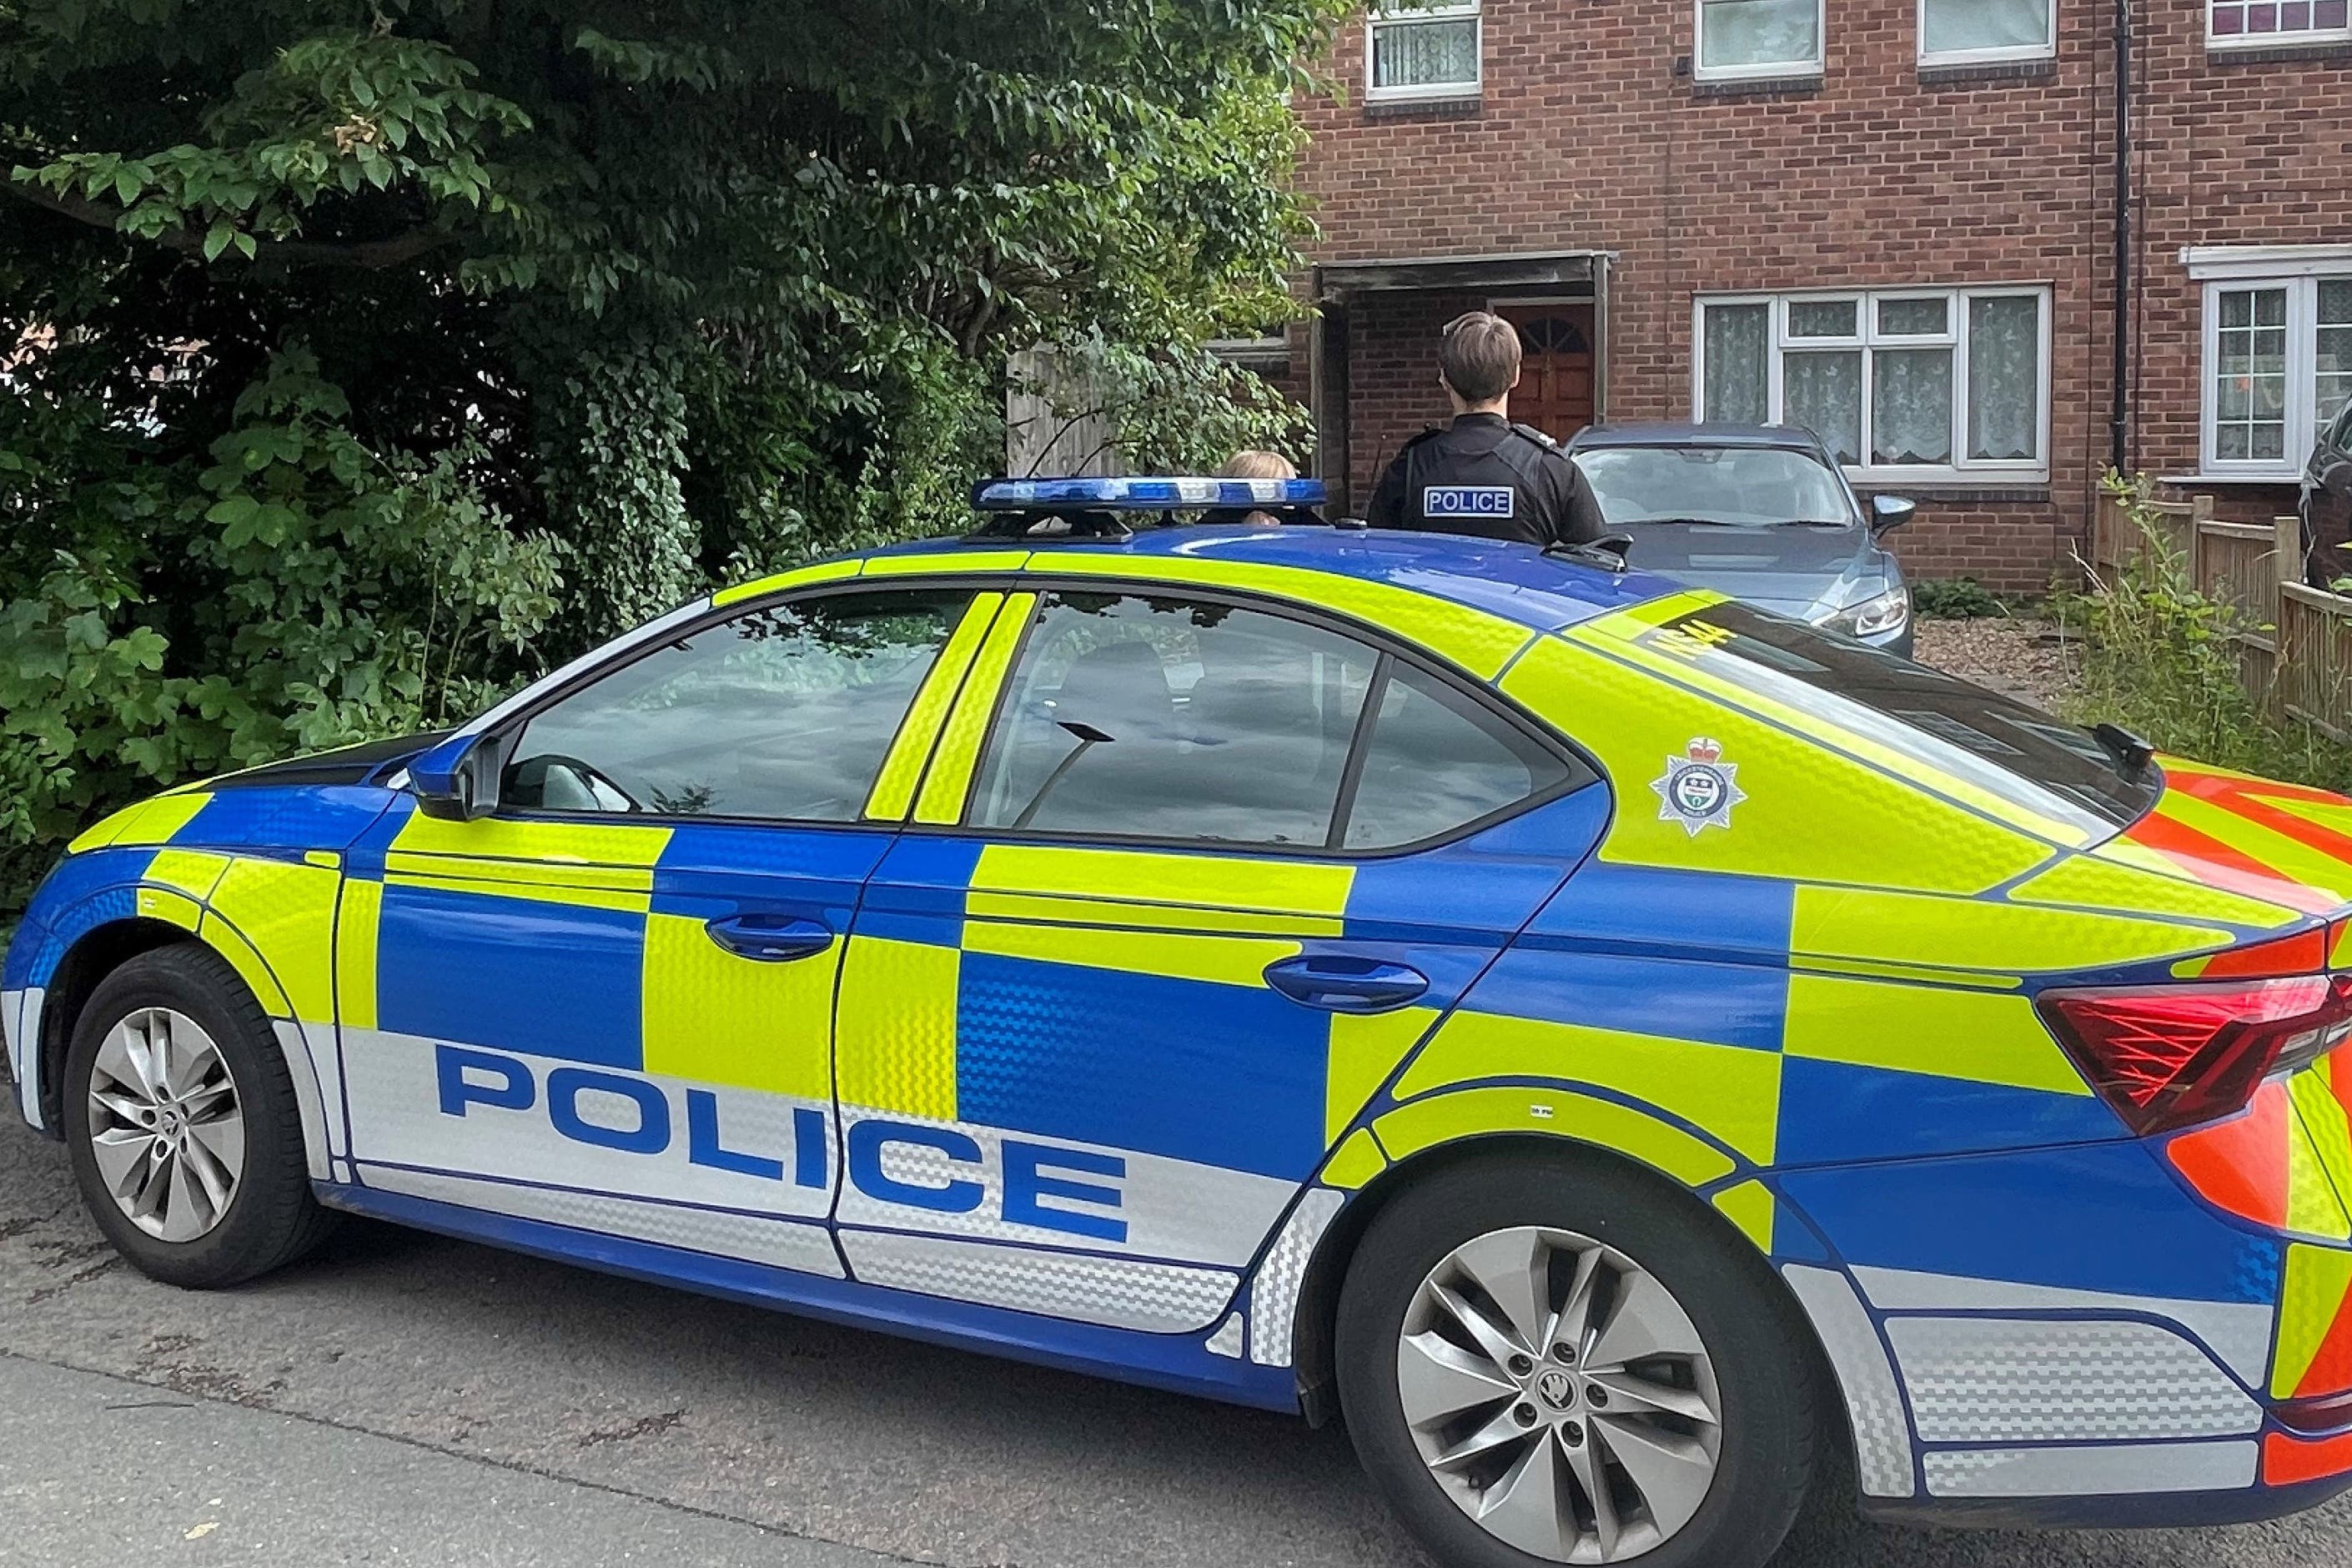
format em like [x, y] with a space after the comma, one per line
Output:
[1141, 494]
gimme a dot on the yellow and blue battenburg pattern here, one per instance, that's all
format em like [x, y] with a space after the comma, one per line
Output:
[1046, 1097]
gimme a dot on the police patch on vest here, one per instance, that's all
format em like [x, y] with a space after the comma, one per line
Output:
[1468, 500]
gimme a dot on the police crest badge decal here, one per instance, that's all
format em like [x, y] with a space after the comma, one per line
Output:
[1698, 789]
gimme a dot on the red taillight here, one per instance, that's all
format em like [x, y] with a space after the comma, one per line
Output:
[2167, 1056]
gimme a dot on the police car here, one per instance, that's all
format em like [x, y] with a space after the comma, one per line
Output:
[1631, 1056]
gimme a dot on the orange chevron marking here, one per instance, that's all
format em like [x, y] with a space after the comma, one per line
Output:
[2239, 1166]
[2287, 1460]
[2222, 866]
[2331, 1369]
[2304, 953]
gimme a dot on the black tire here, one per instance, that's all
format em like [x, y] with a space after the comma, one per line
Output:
[1771, 1423]
[271, 1218]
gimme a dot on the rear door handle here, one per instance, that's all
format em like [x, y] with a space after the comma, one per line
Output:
[771, 939]
[1339, 983]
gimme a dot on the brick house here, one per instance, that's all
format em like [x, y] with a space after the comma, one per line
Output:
[1894, 220]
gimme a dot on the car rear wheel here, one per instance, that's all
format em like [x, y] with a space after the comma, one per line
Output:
[184, 1134]
[1547, 1364]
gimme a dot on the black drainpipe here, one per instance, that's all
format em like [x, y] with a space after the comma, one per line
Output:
[2119, 406]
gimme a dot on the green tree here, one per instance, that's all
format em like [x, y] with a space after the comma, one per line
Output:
[369, 356]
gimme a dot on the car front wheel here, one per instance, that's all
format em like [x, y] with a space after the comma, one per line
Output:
[1563, 1364]
[183, 1127]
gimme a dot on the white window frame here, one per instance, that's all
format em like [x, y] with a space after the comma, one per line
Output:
[1775, 70]
[2301, 289]
[1401, 15]
[2043, 51]
[2214, 40]
[1963, 470]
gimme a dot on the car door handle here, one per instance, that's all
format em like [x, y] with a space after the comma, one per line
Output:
[771, 939]
[1340, 983]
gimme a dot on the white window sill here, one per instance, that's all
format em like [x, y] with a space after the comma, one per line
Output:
[1923, 480]
[1962, 59]
[1800, 71]
[1447, 92]
[2225, 42]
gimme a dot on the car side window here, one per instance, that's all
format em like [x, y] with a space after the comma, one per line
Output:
[1163, 717]
[782, 713]
[1436, 760]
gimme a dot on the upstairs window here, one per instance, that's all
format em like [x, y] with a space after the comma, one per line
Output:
[1902, 384]
[2243, 24]
[1969, 32]
[1421, 51]
[1741, 40]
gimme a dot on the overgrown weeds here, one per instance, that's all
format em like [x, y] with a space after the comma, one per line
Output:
[2161, 659]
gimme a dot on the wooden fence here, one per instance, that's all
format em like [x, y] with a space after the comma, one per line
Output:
[2295, 643]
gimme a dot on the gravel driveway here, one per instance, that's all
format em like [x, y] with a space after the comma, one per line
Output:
[2021, 658]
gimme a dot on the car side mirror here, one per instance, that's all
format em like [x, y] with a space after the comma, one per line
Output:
[1891, 512]
[2336, 478]
[456, 780]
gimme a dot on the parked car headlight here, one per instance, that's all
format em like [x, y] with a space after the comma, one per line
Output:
[1873, 616]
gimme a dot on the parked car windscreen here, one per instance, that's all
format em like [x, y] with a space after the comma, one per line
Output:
[2042, 763]
[1752, 487]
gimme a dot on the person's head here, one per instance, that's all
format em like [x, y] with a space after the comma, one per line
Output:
[1255, 464]
[1479, 363]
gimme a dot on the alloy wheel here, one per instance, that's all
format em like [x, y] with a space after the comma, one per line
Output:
[1559, 1394]
[166, 1128]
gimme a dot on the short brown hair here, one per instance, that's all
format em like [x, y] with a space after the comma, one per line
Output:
[1257, 464]
[1481, 356]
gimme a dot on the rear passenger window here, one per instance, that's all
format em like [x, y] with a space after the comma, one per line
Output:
[1436, 761]
[1167, 718]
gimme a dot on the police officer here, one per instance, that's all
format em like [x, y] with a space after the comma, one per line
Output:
[1483, 475]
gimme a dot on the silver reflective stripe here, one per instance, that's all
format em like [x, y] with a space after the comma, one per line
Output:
[2238, 1332]
[2028, 1380]
[798, 1244]
[1119, 1292]
[1274, 1299]
[2122, 1468]
[294, 1044]
[1882, 1436]
[20, 1020]
[1227, 1341]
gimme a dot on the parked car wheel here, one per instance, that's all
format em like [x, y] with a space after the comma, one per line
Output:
[1543, 1363]
[184, 1130]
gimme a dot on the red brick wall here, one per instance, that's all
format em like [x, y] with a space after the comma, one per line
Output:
[1587, 138]
[2233, 149]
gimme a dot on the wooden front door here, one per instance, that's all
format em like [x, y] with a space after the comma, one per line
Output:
[1555, 392]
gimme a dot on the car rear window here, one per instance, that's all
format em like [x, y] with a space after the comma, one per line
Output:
[1944, 721]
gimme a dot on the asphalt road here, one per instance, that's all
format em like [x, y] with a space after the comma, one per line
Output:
[451, 1404]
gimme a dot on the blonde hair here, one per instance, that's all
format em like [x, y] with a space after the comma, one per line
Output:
[1255, 464]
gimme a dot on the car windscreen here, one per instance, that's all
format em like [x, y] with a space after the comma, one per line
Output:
[1747, 487]
[1994, 740]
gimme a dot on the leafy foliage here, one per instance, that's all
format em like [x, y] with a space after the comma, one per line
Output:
[2160, 661]
[347, 333]
[291, 590]
[1955, 599]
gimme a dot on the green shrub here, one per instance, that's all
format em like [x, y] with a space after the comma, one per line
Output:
[300, 591]
[1955, 599]
[2160, 661]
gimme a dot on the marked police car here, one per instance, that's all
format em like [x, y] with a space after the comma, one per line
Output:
[1619, 1048]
